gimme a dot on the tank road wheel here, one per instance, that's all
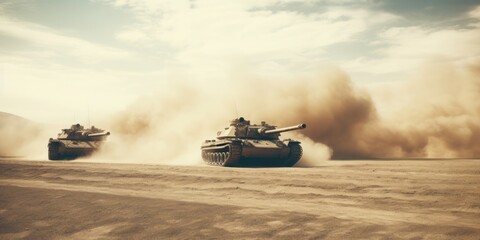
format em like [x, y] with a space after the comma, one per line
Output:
[226, 159]
[54, 151]
[296, 152]
[212, 158]
[220, 158]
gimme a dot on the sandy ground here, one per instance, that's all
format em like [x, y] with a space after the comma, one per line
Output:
[429, 199]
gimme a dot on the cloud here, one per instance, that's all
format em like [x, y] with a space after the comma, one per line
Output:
[132, 35]
[418, 43]
[475, 13]
[47, 40]
[403, 49]
[210, 33]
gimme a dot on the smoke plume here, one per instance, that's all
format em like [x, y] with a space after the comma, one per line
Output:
[435, 114]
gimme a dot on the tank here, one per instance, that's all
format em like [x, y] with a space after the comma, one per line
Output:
[75, 142]
[244, 144]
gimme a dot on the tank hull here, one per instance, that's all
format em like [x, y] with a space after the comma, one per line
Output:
[246, 153]
[69, 150]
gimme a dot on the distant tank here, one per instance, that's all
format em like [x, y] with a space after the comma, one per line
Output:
[75, 142]
[243, 144]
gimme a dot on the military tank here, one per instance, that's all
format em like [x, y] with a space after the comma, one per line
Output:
[75, 142]
[243, 144]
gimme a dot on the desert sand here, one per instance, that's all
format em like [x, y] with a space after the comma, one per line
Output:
[402, 199]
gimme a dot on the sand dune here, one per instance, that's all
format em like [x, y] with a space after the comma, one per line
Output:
[431, 199]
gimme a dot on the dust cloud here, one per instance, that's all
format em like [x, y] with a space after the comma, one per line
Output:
[435, 114]
[21, 137]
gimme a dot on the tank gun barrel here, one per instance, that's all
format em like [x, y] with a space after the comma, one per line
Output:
[98, 134]
[286, 129]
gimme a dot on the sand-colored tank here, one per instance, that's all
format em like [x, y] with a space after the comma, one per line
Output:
[75, 142]
[244, 144]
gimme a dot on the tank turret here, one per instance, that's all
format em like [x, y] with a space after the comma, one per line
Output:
[75, 142]
[244, 144]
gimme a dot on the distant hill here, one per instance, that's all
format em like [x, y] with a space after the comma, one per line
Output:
[8, 118]
[17, 134]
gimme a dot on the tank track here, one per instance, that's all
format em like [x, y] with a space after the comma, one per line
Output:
[296, 153]
[228, 158]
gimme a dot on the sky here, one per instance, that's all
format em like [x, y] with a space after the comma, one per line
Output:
[63, 61]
